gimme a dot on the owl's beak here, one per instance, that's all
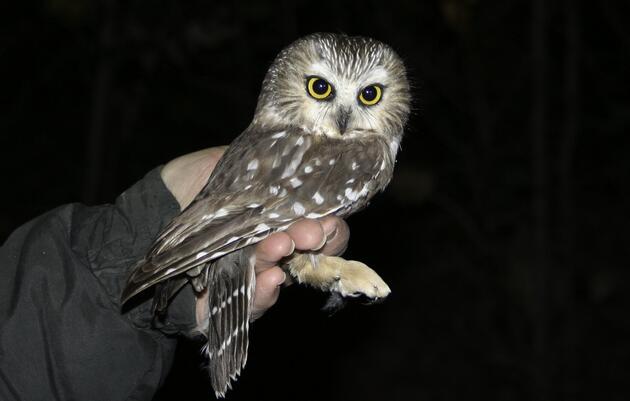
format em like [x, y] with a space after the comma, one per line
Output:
[342, 118]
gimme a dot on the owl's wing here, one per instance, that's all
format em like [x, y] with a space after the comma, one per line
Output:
[264, 182]
[204, 232]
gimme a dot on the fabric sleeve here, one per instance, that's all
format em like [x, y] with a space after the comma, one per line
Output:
[112, 238]
[62, 333]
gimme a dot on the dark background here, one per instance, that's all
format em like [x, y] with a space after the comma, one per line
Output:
[504, 234]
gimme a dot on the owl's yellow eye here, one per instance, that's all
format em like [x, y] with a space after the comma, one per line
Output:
[318, 88]
[370, 95]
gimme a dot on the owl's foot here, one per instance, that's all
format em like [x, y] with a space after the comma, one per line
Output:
[347, 278]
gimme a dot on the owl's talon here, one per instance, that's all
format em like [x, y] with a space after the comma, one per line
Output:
[358, 280]
[348, 278]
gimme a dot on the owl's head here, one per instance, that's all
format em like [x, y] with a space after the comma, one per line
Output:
[337, 85]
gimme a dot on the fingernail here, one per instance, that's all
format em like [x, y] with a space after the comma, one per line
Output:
[332, 234]
[320, 246]
[284, 278]
[292, 249]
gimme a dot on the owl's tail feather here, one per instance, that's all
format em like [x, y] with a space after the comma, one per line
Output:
[231, 283]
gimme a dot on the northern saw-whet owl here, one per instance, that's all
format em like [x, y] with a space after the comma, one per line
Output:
[323, 141]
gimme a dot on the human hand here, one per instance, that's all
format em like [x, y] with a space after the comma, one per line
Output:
[187, 175]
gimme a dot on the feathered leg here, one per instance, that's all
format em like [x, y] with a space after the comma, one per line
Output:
[347, 278]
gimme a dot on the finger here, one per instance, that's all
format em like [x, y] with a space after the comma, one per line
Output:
[337, 235]
[267, 290]
[307, 234]
[272, 249]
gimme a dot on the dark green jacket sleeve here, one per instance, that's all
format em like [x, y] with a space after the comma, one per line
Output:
[62, 333]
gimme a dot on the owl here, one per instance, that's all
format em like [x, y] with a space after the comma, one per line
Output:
[323, 140]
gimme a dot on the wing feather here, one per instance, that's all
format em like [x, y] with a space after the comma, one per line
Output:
[294, 177]
[265, 181]
[231, 285]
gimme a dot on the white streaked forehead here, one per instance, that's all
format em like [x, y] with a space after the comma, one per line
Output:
[319, 69]
[375, 75]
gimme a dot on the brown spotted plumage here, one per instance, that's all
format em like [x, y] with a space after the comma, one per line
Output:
[301, 157]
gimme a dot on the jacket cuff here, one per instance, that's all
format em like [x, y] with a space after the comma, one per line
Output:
[180, 316]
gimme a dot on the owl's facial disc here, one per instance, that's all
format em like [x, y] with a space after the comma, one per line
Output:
[321, 90]
[340, 106]
[336, 85]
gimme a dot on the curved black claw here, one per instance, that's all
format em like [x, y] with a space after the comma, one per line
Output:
[334, 303]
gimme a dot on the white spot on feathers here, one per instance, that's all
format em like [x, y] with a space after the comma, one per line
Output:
[274, 189]
[299, 141]
[355, 165]
[280, 134]
[261, 227]
[350, 181]
[331, 161]
[308, 169]
[252, 165]
[318, 198]
[232, 239]
[221, 212]
[235, 293]
[273, 215]
[201, 255]
[298, 208]
[351, 194]
[295, 182]
[290, 170]
[253, 205]
[215, 310]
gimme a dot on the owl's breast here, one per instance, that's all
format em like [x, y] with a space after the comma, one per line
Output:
[291, 173]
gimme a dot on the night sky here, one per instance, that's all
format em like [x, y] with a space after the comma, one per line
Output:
[503, 235]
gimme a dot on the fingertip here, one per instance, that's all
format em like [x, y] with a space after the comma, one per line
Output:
[337, 234]
[268, 287]
[329, 224]
[307, 234]
[272, 249]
